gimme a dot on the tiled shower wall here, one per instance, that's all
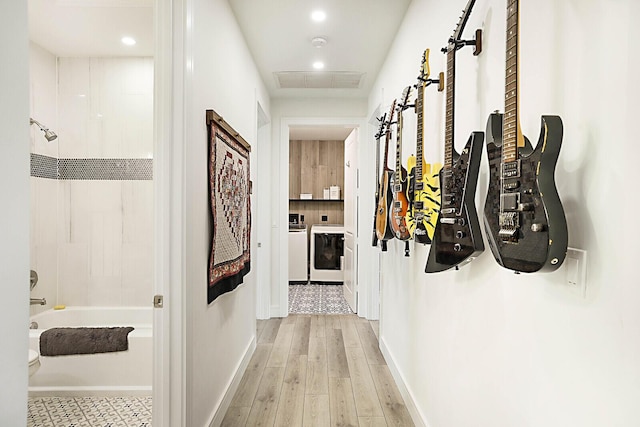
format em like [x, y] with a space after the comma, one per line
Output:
[103, 197]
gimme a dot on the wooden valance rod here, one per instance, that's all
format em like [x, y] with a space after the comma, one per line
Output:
[212, 116]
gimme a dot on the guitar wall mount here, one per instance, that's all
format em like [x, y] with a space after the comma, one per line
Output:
[476, 43]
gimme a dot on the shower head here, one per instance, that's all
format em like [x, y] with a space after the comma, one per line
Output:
[49, 134]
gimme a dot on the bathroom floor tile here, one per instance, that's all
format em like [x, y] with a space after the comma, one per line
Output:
[89, 411]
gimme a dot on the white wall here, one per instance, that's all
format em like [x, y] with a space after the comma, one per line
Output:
[105, 238]
[92, 242]
[483, 346]
[14, 234]
[220, 75]
[43, 83]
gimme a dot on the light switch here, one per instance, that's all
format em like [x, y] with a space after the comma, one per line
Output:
[576, 270]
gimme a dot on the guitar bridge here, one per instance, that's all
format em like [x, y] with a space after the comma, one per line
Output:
[509, 224]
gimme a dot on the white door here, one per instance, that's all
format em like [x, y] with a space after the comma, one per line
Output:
[350, 219]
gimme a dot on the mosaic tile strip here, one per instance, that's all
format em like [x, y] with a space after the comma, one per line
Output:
[317, 299]
[44, 166]
[106, 169]
[89, 411]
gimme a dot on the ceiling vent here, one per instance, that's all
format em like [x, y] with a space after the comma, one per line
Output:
[319, 80]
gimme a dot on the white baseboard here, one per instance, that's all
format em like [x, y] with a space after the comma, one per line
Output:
[221, 411]
[417, 417]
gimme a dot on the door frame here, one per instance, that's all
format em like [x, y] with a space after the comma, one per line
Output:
[281, 200]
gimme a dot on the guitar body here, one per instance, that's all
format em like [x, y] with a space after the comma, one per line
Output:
[399, 207]
[424, 201]
[383, 226]
[538, 241]
[457, 239]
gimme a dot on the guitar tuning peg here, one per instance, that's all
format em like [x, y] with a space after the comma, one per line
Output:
[451, 40]
[443, 50]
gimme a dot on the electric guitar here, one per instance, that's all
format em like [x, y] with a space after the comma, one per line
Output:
[458, 238]
[400, 202]
[383, 122]
[523, 216]
[383, 226]
[424, 184]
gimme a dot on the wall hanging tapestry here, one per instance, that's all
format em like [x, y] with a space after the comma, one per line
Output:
[230, 207]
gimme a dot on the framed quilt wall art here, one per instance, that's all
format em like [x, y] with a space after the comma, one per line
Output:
[230, 207]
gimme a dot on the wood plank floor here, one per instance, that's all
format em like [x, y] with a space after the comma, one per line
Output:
[317, 370]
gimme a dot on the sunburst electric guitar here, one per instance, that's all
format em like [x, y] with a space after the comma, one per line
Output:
[400, 203]
[423, 191]
[524, 219]
[383, 225]
[458, 238]
[382, 123]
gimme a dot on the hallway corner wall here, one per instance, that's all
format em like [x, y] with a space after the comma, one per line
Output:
[483, 346]
[222, 76]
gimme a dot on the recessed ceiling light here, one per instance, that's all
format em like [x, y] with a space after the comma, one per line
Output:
[318, 65]
[129, 41]
[318, 15]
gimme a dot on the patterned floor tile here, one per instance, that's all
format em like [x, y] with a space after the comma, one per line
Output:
[90, 412]
[317, 299]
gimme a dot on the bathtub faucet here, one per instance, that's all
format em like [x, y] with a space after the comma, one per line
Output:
[40, 301]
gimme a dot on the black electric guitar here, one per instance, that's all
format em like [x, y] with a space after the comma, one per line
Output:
[383, 226]
[458, 238]
[400, 181]
[382, 123]
[424, 179]
[523, 216]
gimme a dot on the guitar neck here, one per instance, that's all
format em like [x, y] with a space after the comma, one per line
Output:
[420, 131]
[386, 147]
[511, 133]
[399, 147]
[449, 121]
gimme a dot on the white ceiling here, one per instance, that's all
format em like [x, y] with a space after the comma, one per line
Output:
[359, 34]
[278, 32]
[70, 28]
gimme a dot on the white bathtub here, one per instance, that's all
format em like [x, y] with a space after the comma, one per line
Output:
[119, 373]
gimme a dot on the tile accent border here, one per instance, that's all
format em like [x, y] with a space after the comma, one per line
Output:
[44, 166]
[91, 169]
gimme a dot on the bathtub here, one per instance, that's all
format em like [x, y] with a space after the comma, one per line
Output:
[119, 373]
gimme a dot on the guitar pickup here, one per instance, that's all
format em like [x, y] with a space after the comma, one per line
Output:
[448, 221]
[397, 188]
[418, 205]
[397, 205]
[511, 169]
[448, 210]
[418, 186]
[510, 186]
[509, 202]
[449, 199]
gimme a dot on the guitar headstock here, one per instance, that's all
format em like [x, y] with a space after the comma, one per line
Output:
[392, 110]
[457, 33]
[404, 103]
[424, 68]
[382, 123]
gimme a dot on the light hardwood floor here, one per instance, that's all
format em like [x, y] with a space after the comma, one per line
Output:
[317, 370]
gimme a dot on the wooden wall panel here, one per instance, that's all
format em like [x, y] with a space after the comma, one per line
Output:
[313, 166]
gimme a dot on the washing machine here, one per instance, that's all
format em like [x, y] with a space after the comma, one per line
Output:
[327, 253]
[298, 261]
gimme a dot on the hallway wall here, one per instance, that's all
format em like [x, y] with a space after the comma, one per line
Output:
[222, 77]
[483, 346]
[14, 190]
